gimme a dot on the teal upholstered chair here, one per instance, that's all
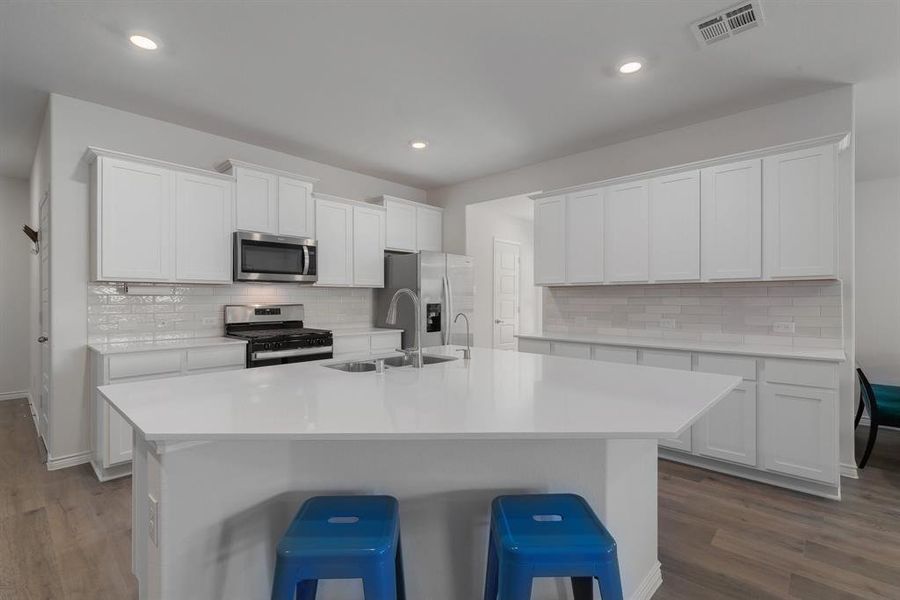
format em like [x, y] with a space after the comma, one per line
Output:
[882, 402]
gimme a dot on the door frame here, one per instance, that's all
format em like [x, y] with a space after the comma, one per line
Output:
[494, 241]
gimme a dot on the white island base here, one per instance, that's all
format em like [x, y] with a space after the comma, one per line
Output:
[223, 505]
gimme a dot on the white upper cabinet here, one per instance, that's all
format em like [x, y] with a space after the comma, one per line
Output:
[429, 229]
[296, 208]
[625, 232]
[550, 240]
[334, 230]
[368, 246]
[584, 237]
[204, 208]
[350, 239]
[800, 200]
[272, 201]
[731, 221]
[133, 221]
[411, 226]
[675, 227]
[256, 200]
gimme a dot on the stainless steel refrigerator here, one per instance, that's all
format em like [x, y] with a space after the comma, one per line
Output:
[445, 284]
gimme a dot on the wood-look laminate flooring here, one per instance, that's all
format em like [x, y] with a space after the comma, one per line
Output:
[64, 535]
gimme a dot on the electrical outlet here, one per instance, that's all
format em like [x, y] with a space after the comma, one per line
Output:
[153, 519]
[667, 324]
[784, 327]
[209, 320]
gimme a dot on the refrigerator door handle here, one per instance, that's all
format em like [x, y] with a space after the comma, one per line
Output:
[448, 316]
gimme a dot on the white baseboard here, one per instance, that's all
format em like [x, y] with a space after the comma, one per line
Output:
[104, 475]
[651, 582]
[849, 471]
[15, 396]
[72, 460]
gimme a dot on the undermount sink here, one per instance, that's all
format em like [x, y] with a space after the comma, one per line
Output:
[356, 366]
[407, 360]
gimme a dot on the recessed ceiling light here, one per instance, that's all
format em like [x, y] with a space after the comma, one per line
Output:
[629, 67]
[143, 42]
[418, 144]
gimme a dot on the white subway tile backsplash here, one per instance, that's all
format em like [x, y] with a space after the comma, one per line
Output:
[721, 312]
[181, 312]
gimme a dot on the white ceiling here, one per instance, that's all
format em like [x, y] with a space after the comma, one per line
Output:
[493, 85]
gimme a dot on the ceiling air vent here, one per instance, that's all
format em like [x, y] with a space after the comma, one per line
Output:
[727, 23]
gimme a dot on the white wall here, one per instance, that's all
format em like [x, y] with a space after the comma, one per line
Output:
[39, 181]
[878, 279]
[501, 219]
[15, 287]
[75, 125]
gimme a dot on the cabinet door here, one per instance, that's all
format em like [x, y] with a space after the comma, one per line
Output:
[675, 227]
[728, 430]
[429, 229]
[584, 237]
[400, 226]
[799, 432]
[625, 232]
[534, 346]
[550, 240]
[616, 354]
[570, 349]
[731, 221]
[368, 247]
[668, 359]
[296, 210]
[256, 194]
[135, 222]
[204, 209]
[119, 438]
[335, 245]
[799, 202]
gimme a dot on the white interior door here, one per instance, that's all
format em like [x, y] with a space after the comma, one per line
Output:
[43, 399]
[506, 294]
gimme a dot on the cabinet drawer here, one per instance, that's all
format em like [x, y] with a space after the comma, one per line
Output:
[385, 341]
[797, 372]
[351, 344]
[727, 365]
[570, 350]
[534, 346]
[216, 358]
[666, 359]
[144, 363]
[614, 354]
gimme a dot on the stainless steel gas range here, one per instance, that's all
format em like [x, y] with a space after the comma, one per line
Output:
[275, 334]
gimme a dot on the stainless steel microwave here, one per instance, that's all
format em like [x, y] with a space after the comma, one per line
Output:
[265, 257]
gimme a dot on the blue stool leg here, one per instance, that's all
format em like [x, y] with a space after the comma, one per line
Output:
[514, 584]
[380, 582]
[398, 566]
[306, 590]
[284, 584]
[490, 577]
[583, 588]
[610, 582]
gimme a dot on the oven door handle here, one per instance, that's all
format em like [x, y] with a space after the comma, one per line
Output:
[306, 260]
[273, 354]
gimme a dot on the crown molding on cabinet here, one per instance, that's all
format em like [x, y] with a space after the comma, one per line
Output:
[93, 153]
[341, 199]
[842, 139]
[231, 163]
[384, 197]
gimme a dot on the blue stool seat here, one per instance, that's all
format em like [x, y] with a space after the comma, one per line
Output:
[549, 535]
[341, 537]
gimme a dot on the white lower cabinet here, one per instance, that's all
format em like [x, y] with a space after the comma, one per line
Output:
[365, 343]
[534, 346]
[112, 435]
[570, 350]
[728, 430]
[616, 354]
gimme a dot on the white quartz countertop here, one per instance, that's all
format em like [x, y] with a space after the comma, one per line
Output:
[825, 354]
[494, 395]
[363, 331]
[126, 347]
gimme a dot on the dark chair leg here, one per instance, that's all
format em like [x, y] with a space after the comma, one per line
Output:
[859, 411]
[873, 433]
[583, 588]
[398, 562]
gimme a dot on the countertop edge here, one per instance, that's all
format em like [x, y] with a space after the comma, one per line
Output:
[108, 348]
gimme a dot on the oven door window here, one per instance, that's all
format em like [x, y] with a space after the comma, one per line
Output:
[272, 258]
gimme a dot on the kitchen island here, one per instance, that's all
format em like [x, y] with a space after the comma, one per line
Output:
[222, 461]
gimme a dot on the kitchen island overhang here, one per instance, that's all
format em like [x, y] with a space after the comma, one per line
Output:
[226, 459]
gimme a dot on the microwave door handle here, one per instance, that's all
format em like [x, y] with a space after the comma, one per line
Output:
[306, 260]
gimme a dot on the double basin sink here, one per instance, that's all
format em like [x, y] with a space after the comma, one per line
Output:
[364, 366]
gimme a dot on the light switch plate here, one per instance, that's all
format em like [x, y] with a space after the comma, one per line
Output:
[153, 519]
[784, 327]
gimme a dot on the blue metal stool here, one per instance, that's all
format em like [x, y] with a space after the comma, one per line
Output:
[341, 537]
[549, 535]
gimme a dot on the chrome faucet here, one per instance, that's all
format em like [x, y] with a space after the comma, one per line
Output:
[467, 351]
[415, 352]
